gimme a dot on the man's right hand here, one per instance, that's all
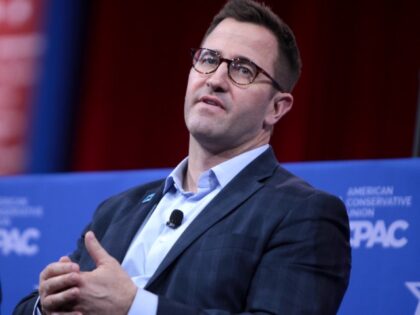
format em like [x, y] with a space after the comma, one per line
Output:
[59, 287]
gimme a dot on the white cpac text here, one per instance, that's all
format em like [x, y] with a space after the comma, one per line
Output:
[19, 242]
[367, 234]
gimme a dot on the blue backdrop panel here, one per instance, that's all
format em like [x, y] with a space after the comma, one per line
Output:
[383, 203]
[42, 216]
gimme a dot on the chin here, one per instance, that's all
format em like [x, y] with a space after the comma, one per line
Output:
[199, 124]
[208, 137]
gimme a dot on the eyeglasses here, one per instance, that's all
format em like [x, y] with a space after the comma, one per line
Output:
[240, 70]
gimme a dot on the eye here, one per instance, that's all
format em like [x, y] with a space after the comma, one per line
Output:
[244, 69]
[208, 58]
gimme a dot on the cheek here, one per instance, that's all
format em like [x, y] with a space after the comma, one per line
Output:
[253, 108]
[190, 89]
[195, 83]
[195, 80]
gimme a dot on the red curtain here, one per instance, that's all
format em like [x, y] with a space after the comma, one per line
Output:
[356, 98]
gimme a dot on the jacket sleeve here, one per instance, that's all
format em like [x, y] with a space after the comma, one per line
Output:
[26, 305]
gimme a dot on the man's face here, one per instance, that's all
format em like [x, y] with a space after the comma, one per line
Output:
[222, 115]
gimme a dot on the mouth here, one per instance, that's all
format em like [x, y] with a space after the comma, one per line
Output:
[212, 101]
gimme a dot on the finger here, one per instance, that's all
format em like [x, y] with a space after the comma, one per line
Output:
[60, 301]
[64, 259]
[58, 268]
[59, 283]
[96, 251]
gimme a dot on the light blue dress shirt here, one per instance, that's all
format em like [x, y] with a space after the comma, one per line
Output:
[154, 239]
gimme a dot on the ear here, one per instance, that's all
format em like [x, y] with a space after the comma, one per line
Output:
[280, 104]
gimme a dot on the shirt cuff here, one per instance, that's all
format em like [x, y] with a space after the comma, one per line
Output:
[37, 307]
[144, 303]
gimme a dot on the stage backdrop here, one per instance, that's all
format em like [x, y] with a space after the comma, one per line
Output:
[41, 217]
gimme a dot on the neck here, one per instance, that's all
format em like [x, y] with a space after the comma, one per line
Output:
[201, 159]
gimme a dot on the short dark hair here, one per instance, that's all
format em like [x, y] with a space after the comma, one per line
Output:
[288, 65]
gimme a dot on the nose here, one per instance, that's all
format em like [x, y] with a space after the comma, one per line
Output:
[219, 80]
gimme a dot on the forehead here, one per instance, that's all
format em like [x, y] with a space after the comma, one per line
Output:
[242, 39]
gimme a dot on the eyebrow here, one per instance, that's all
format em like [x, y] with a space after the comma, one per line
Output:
[235, 56]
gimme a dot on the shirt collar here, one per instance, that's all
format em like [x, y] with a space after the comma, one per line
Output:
[221, 174]
[176, 177]
[227, 170]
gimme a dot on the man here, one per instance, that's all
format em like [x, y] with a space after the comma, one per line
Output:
[254, 239]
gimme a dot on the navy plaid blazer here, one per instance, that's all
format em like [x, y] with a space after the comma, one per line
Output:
[268, 243]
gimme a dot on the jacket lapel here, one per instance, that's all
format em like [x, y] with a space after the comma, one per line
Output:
[127, 227]
[244, 185]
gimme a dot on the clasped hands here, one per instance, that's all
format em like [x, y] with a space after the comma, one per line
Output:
[65, 290]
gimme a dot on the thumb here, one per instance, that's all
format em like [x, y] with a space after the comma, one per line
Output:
[95, 250]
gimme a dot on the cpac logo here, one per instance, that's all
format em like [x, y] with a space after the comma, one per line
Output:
[414, 287]
[20, 243]
[370, 233]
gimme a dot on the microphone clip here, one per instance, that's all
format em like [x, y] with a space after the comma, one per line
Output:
[175, 220]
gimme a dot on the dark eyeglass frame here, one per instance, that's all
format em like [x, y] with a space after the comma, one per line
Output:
[229, 62]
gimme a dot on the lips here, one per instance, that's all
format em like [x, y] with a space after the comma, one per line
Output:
[211, 100]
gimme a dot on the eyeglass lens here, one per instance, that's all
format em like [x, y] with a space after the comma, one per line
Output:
[240, 70]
